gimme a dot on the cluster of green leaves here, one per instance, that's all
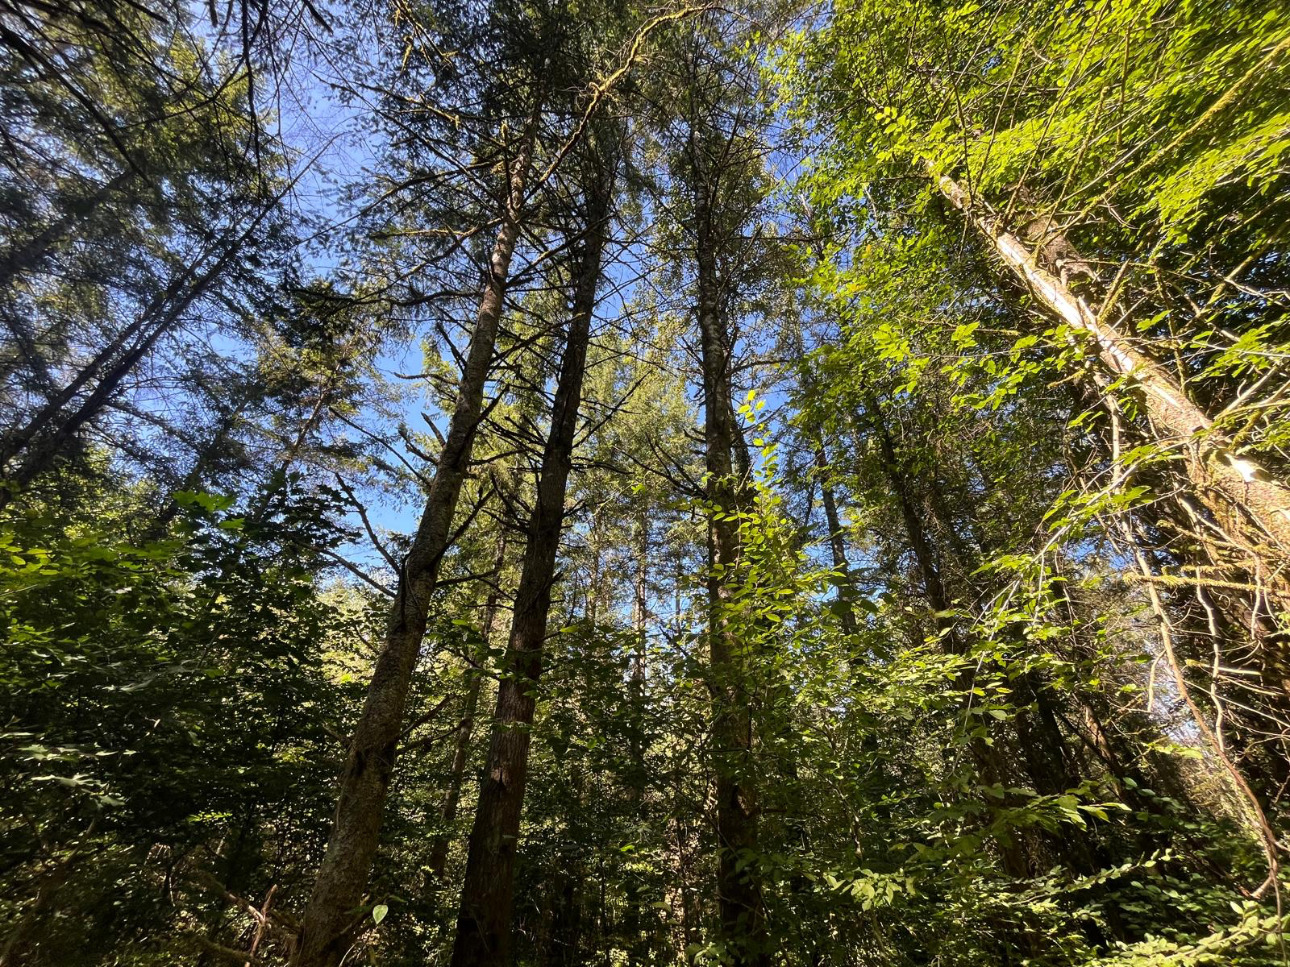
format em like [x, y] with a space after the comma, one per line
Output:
[964, 747]
[1131, 131]
[977, 476]
[170, 714]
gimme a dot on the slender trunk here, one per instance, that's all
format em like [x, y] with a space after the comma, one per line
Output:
[566, 922]
[116, 362]
[484, 920]
[1043, 753]
[1105, 729]
[334, 908]
[24, 256]
[277, 481]
[1043, 748]
[592, 604]
[837, 544]
[1051, 770]
[738, 885]
[1252, 510]
[689, 916]
[635, 917]
[42, 456]
[14, 951]
[990, 764]
[26, 353]
[828, 497]
[636, 682]
[928, 570]
[461, 752]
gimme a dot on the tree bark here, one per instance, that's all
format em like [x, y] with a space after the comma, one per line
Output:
[743, 920]
[461, 751]
[1253, 510]
[45, 436]
[334, 908]
[484, 935]
[837, 544]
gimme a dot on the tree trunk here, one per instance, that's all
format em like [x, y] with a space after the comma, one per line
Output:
[638, 776]
[1253, 510]
[45, 452]
[924, 558]
[461, 752]
[636, 680]
[837, 544]
[989, 762]
[161, 315]
[334, 909]
[566, 922]
[484, 921]
[739, 896]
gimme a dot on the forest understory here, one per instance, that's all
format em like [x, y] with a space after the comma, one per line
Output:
[533, 483]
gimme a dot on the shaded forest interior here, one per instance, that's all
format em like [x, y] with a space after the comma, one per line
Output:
[535, 483]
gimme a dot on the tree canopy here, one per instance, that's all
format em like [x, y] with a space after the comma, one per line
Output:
[539, 483]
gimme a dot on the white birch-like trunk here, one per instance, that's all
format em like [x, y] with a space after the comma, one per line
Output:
[1252, 509]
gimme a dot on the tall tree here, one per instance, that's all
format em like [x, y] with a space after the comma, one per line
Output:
[717, 174]
[484, 923]
[329, 920]
[131, 157]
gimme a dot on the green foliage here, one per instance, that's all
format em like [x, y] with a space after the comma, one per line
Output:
[961, 581]
[165, 700]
